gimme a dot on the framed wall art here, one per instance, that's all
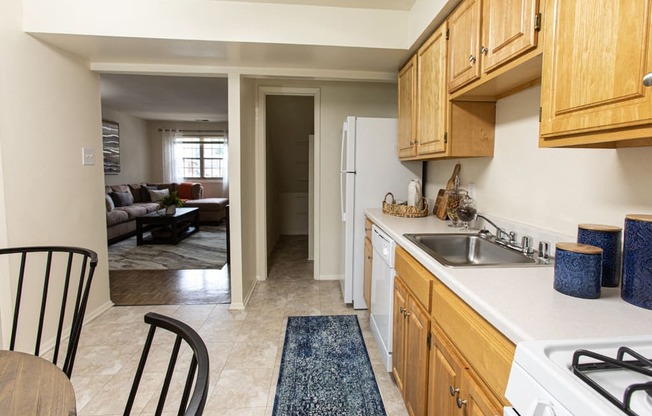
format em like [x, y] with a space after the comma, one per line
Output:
[111, 147]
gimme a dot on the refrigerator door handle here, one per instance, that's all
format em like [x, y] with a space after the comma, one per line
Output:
[342, 196]
[343, 151]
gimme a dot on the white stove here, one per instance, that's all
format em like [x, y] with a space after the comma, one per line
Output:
[542, 381]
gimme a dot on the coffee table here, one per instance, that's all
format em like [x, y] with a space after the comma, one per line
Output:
[167, 229]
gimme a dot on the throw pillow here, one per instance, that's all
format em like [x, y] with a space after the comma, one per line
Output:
[144, 190]
[109, 203]
[122, 199]
[158, 195]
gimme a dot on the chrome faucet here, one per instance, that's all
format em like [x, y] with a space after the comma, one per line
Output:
[507, 238]
[499, 231]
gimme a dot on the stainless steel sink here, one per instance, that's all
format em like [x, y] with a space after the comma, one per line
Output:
[469, 250]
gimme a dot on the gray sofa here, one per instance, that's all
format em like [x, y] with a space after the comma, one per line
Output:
[124, 203]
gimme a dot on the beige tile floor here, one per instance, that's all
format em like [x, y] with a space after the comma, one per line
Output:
[245, 347]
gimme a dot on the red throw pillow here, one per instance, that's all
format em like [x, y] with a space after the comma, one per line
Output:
[185, 190]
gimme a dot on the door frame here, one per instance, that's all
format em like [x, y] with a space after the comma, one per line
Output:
[261, 169]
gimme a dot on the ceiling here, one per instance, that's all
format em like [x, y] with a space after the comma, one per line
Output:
[154, 97]
[193, 98]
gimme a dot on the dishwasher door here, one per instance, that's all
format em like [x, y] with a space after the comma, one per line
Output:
[382, 293]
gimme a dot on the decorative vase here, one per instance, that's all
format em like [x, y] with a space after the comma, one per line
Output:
[637, 261]
[170, 210]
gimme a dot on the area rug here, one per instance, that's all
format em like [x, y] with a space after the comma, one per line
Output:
[205, 249]
[325, 369]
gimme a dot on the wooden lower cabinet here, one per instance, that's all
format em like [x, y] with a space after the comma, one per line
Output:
[445, 379]
[447, 360]
[368, 264]
[410, 355]
[453, 388]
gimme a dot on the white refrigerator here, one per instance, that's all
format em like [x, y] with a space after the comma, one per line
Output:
[369, 169]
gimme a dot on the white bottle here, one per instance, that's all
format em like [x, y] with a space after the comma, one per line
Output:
[414, 192]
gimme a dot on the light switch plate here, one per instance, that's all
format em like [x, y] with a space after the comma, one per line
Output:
[88, 156]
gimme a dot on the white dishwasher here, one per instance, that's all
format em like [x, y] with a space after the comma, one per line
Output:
[382, 293]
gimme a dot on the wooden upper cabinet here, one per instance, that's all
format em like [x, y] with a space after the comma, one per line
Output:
[432, 95]
[595, 58]
[509, 29]
[464, 44]
[407, 105]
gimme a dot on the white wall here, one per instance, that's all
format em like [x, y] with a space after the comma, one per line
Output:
[135, 154]
[49, 110]
[553, 189]
[246, 185]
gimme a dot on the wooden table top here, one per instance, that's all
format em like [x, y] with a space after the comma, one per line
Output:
[31, 385]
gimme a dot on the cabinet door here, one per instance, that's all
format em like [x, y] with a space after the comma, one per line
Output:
[477, 401]
[432, 94]
[594, 61]
[398, 340]
[416, 360]
[445, 378]
[508, 31]
[407, 105]
[464, 37]
[368, 261]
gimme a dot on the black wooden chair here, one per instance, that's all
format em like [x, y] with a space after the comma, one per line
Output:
[190, 404]
[50, 282]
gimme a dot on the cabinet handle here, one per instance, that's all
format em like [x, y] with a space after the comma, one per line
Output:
[453, 391]
[407, 314]
[471, 58]
[484, 50]
[647, 80]
[460, 402]
[401, 309]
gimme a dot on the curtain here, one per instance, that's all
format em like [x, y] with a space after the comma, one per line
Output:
[225, 168]
[172, 159]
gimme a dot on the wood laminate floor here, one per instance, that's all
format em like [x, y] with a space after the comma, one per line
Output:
[170, 287]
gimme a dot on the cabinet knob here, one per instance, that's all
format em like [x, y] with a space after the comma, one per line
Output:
[484, 50]
[471, 58]
[460, 402]
[453, 391]
[401, 309]
[647, 80]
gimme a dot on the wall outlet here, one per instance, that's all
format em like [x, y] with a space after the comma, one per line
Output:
[88, 156]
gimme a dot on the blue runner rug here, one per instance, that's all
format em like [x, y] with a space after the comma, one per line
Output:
[325, 369]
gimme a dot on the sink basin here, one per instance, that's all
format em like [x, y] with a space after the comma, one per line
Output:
[469, 250]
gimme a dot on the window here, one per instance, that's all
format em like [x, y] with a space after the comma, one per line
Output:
[203, 157]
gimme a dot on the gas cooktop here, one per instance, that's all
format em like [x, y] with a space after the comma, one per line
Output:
[582, 377]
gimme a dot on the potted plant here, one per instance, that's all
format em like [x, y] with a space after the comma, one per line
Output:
[171, 202]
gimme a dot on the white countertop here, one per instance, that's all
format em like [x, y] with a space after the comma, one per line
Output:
[520, 301]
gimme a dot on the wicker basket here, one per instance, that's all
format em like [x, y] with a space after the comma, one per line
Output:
[403, 210]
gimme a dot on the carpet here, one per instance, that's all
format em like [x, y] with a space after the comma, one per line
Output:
[325, 369]
[205, 249]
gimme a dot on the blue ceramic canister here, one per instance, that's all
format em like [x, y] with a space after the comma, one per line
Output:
[578, 270]
[608, 238]
[637, 261]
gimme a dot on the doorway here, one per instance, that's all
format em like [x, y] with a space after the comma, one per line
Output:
[287, 166]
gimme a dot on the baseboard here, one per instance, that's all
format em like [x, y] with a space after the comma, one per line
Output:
[241, 306]
[49, 344]
[330, 277]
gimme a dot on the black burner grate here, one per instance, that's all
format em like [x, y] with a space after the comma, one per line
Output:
[639, 364]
